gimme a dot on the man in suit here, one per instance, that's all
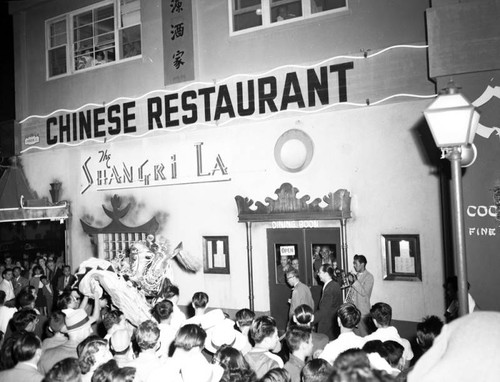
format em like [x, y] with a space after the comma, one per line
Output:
[331, 299]
[301, 294]
[18, 282]
[66, 280]
[6, 286]
[360, 292]
[27, 351]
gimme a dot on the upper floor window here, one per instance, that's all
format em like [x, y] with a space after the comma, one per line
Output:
[248, 14]
[102, 34]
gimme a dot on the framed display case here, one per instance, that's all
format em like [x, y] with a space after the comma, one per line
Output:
[216, 254]
[401, 257]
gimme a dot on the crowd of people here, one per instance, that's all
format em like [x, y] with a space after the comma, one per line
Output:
[87, 338]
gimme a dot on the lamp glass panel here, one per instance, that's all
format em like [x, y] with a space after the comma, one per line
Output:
[449, 128]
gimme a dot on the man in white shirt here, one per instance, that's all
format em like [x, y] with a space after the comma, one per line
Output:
[6, 313]
[348, 317]
[382, 315]
[7, 287]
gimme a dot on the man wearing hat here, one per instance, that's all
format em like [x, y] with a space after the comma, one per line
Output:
[120, 346]
[223, 333]
[78, 328]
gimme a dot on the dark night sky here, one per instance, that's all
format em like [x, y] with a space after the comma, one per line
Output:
[6, 65]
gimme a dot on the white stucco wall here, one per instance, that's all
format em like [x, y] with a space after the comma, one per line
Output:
[370, 151]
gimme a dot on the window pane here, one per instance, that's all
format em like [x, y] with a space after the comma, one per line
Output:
[105, 39]
[326, 5]
[285, 10]
[104, 12]
[82, 19]
[130, 41]
[57, 61]
[104, 26]
[247, 20]
[130, 13]
[241, 4]
[57, 40]
[83, 59]
[83, 33]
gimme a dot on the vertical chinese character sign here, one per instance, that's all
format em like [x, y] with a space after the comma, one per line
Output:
[178, 49]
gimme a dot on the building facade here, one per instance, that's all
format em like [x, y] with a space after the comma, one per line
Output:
[177, 107]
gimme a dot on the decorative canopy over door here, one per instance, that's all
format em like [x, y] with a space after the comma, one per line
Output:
[288, 207]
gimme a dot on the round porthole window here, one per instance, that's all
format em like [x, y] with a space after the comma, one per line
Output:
[293, 150]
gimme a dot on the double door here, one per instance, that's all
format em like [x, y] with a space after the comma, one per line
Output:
[304, 249]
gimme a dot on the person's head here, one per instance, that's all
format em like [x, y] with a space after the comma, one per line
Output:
[99, 56]
[427, 331]
[348, 316]
[171, 293]
[7, 274]
[303, 316]
[276, 375]
[37, 270]
[77, 325]
[295, 263]
[375, 346]
[76, 298]
[162, 311]
[110, 319]
[199, 300]
[316, 370]
[299, 340]
[25, 299]
[394, 353]
[103, 372]
[51, 264]
[24, 319]
[381, 314]
[16, 271]
[42, 260]
[7, 360]
[359, 263]
[292, 276]
[27, 347]
[67, 370]
[147, 335]
[56, 321]
[264, 332]
[284, 261]
[66, 270]
[123, 374]
[94, 352]
[65, 300]
[44, 280]
[190, 337]
[244, 318]
[120, 341]
[8, 261]
[2, 297]
[352, 358]
[232, 361]
[325, 273]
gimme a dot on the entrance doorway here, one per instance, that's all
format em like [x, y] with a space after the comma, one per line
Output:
[298, 246]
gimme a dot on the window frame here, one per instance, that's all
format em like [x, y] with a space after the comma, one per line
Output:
[266, 13]
[70, 39]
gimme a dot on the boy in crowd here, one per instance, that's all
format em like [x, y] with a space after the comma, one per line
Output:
[316, 370]
[427, 331]
[381, 314]
[244, 319]
[348, 316]
[299, 342]
[264, 333]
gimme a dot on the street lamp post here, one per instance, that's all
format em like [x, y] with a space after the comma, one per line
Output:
[453, 124]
